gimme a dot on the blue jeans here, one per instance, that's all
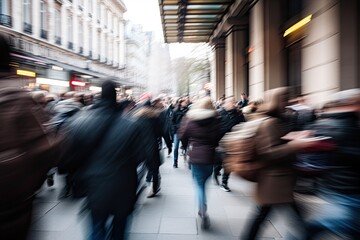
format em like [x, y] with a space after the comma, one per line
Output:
[340, 216]
[200, 173]
[176, 147]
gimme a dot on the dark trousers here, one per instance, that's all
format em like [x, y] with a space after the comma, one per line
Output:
[262, 212]
[100, 230]
[153, 173]
[218, 166]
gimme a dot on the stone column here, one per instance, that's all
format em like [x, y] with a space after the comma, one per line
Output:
[235, 82]
[274, 59]
[16, 13]
[219, 51]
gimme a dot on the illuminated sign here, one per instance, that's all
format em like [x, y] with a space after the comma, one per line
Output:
[78, 83]
[25, 73]
[298, 25]
[53, 82]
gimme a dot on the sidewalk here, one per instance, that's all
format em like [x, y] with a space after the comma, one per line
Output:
[170, 215]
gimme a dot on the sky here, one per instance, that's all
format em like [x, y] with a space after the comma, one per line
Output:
[147, 13]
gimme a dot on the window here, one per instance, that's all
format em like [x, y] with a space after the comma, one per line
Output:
[4, 7]
[90, 41]
[5, 18]
[27, 16]
[90, 9]
[99, 45]
[43, 19]
[81, 39]
[57, 25]
[70, 31]
[98, 11]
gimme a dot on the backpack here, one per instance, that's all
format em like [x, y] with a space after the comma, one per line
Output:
[240, 149]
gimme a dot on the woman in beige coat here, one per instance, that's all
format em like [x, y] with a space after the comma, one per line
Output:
[276, 178]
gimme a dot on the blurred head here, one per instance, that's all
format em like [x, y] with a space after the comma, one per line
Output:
[243, 96]
[157, 103]
[275, 101]
[229, 103]
[108, 92]
[203, 103]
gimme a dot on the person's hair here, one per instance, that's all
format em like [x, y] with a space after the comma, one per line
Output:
[5, 56]
[108, 91]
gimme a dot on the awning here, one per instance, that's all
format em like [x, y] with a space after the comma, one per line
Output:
[191, 21]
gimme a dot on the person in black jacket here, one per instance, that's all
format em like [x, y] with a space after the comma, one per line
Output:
[105, 148]
[229, 117]
[152, 118]
[178, 115]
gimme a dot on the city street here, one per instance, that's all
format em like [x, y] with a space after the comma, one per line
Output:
[170, 215]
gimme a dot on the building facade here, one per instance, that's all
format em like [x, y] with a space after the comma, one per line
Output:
[138, 44]
[66, 40]
[263, 50]
[311, 46]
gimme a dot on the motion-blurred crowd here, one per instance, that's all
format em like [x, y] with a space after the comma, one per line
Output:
[98, 141]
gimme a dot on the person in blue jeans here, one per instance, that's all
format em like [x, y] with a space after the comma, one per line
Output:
[178, 115]
[200, 131]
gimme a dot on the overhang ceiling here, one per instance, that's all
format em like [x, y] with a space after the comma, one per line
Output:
[191, 21]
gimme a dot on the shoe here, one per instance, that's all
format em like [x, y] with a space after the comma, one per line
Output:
[216, 180]
[205, 222]
[175, 166]
[225, 188]
[153, 193]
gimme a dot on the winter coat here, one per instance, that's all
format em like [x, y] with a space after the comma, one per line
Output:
[26, 155]
[228, 119]
[200, 131]
[153, 122]
[106, 149]
[276, 179]
[178, 115]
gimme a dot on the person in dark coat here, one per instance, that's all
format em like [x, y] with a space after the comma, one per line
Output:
[26, 151]
[229, 117]
[106, 149]
[152, 118]
[179, 113]
[200, 132]
[339, 182]
[243, 101]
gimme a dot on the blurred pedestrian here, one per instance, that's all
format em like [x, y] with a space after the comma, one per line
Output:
[200, 132]
[26, 152]
[339, 183]
[179, 113]
[152, 117]
[104, 149]
[229, 117]
[276, 179]
[244, 100]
